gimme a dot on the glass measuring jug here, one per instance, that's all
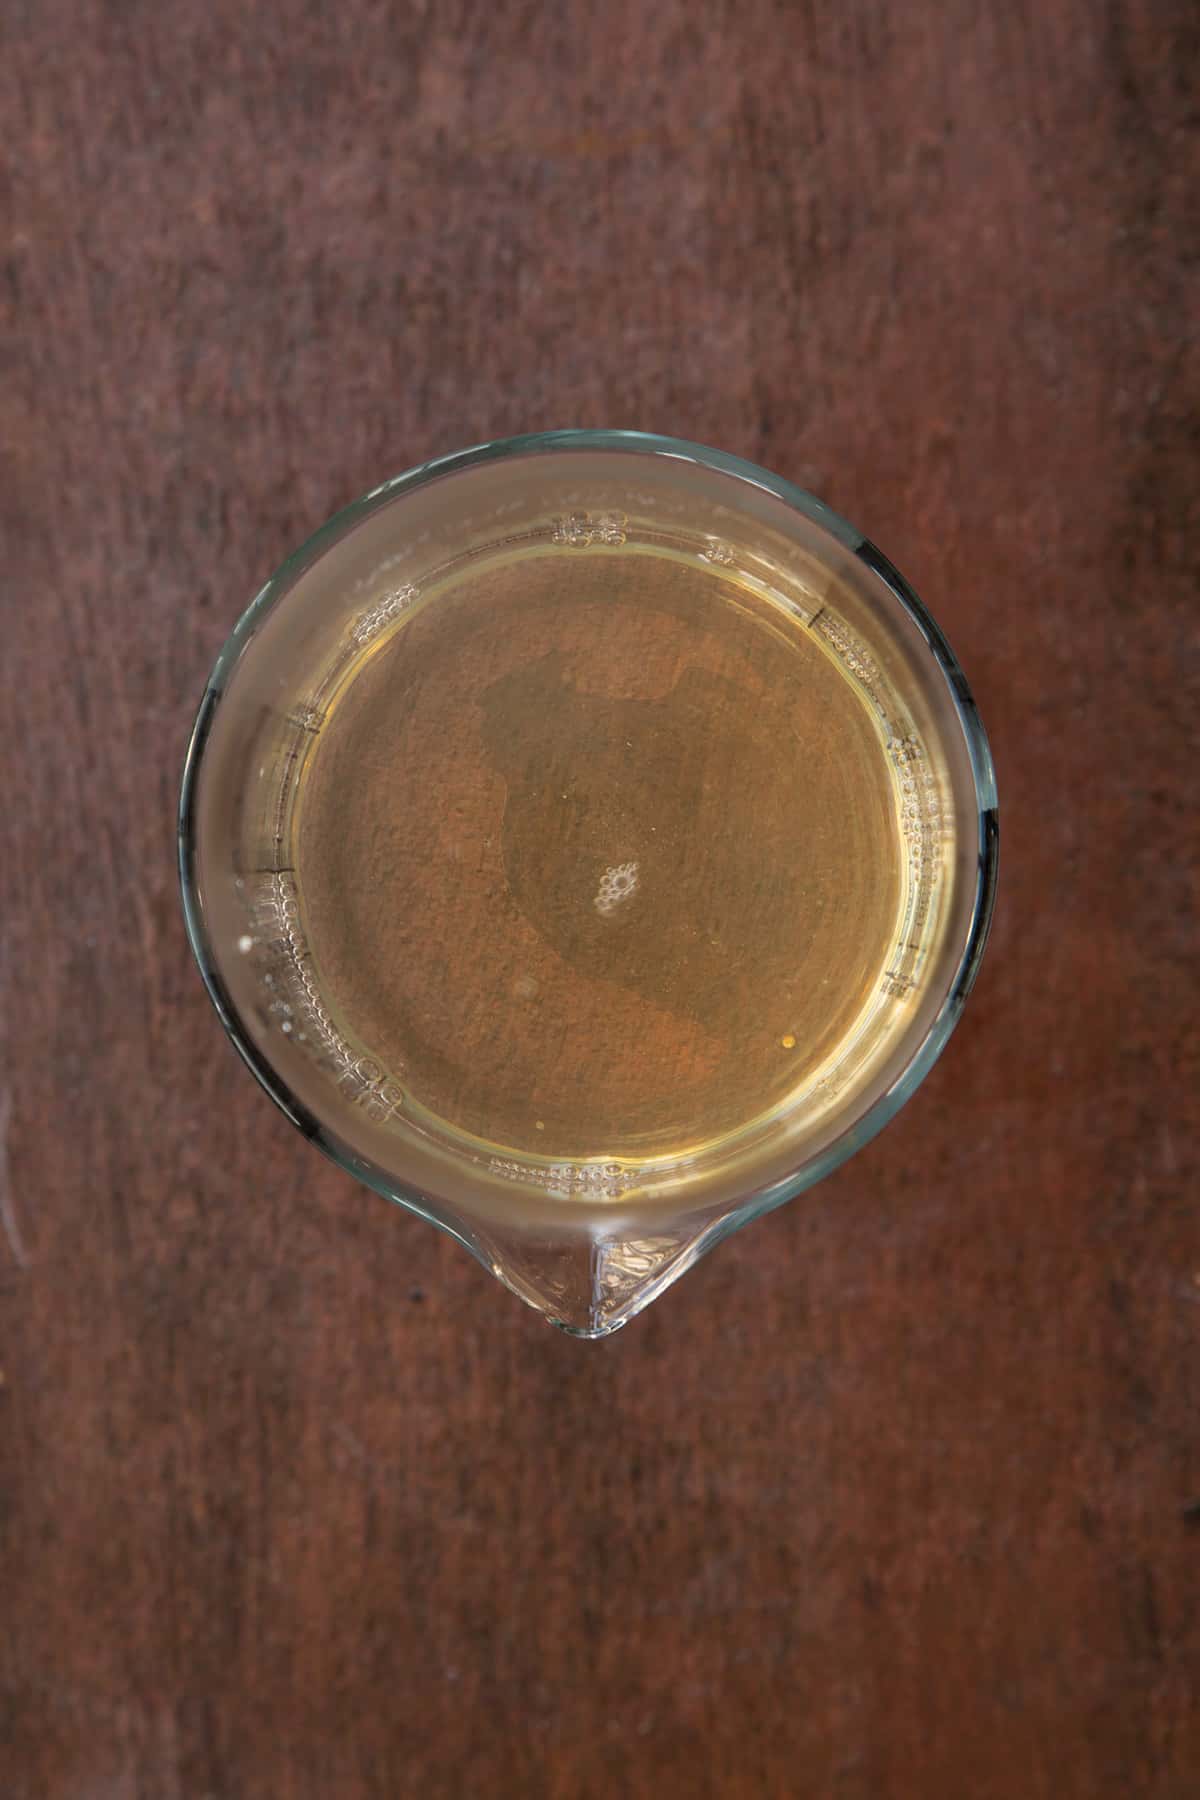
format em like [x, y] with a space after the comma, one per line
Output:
[589, 841]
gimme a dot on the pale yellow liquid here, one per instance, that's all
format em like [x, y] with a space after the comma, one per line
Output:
[598, 854]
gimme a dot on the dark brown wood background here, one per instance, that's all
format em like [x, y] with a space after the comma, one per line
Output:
[898, 1494]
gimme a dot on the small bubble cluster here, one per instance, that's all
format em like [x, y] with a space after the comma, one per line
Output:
[579, 529]
[387, 609]
[851, 651]
[616, 884]
[307, 718]
[921, 823]
[603, 1181]
[277, 919]
[715, 551]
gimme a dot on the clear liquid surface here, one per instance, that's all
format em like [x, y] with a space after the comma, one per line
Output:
[598, 854]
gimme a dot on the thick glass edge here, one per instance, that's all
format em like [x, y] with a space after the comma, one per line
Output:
[938, 1036]
[532, 444]
[293, 1109]
[925, 1054]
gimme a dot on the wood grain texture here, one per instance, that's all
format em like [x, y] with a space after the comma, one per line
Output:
[897, 1494]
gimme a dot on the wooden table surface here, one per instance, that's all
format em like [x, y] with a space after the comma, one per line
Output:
[898, 1494]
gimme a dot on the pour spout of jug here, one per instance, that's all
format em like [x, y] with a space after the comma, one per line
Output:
[589, 1279]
